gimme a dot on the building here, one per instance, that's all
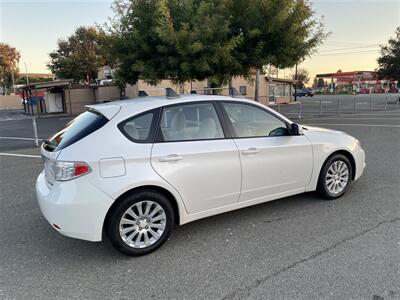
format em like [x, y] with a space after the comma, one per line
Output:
[271, 90]
[280, 90]
[64, 96]
[357, 82]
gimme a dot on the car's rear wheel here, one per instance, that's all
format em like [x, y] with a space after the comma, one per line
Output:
[335, 177]
[140, 223]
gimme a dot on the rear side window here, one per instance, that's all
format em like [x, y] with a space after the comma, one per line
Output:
[190, 122]
[80, 127]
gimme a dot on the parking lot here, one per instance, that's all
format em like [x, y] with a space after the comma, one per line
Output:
[299, 247]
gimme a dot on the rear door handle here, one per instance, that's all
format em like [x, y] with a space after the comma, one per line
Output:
[170, 157]
[251, 151]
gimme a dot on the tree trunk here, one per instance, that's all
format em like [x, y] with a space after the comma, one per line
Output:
[257, 87]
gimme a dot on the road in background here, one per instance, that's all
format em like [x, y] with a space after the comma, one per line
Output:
[299, 247]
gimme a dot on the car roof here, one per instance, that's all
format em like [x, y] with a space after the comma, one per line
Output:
[154, 102]
[123, 109]
[137, 105]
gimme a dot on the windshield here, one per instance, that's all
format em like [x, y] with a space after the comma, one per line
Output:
[77, 129]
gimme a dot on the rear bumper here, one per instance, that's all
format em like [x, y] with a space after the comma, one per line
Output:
[76, 207]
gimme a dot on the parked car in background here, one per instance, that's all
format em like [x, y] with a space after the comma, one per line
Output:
[133, 169]
[304, 93]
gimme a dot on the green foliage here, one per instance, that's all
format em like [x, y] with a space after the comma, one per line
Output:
[9, 59]
[276, 32]
[78, 57]
[320, 82]
[389, 61]
[22, 79]
[302, 78]
[186, 40]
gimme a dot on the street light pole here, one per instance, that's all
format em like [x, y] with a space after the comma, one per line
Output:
[26, 74]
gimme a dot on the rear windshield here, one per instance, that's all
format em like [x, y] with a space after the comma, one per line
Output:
[77, 129]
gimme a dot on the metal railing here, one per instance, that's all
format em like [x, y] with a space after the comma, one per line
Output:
[337, 105]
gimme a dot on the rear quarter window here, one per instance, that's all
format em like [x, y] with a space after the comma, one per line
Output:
[80, 127]
[140, 128]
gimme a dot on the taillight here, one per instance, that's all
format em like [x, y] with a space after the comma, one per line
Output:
[67, 170]
[81, 168]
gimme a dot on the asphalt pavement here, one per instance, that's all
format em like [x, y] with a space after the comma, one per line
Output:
[299, 247]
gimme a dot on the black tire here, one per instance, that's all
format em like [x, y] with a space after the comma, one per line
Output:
[113, 221]
[322, 188]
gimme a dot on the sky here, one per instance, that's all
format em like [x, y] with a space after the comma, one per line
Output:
[357, 28]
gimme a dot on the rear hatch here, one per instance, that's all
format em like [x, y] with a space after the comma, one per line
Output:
[80, 127]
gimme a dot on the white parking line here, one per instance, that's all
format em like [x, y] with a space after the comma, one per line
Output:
[20, 155]
[360, 125]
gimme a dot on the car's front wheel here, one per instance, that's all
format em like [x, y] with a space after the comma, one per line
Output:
[140, 223]
[335, 177]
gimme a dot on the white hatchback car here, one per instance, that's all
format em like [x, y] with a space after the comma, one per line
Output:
[133, 169]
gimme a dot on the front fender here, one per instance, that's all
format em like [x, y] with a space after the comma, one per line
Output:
[325, 143]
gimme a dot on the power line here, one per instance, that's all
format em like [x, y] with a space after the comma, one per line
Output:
[352, 44]
[345, 53]
[348, 48]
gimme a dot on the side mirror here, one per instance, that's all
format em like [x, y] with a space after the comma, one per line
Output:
[296, 129]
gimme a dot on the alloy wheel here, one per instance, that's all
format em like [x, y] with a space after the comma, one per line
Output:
[142, 224]
[337, 177]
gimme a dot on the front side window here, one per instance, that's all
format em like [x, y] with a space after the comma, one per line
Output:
[190, 122]
[250, 121]
[138, 128]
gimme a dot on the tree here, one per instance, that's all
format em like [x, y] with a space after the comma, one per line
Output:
[320, 82]
[302, 77]
[389, 61]
[9, 59]
[22, 79]
[78, 57]
[178, 40]
[186, 40]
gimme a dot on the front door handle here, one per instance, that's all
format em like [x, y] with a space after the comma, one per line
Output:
[170, 157]
[251, 151]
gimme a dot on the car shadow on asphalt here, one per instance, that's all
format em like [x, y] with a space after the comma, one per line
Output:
[184, 237]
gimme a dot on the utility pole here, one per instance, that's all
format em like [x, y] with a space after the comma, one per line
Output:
[295, 85]
[257, 87]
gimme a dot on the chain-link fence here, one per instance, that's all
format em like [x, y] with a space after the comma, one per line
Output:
[307, 107]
